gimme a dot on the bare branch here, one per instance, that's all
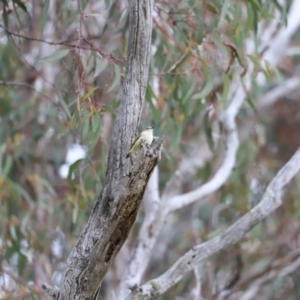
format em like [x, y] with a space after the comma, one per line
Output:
[279, 91]
[196, 291]
[193, 161]
[270, 201]
[105, 54]
[151, 198]
[150, 231]
[273, 274]
[151, 228]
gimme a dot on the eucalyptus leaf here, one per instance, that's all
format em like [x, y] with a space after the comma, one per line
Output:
[55, 56]
[88, 94]
[72, 169]
[208, 86]
[117, 78]
[44, 15]
[98, 67]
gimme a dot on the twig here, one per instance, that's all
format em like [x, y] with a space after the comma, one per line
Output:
[14, 83]
[105, 54]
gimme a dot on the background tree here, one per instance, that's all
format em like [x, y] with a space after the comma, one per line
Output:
[223, 89]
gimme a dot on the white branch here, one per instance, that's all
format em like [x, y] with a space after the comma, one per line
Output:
[282, 39]
[152, 226]
[196, 291]
[146, 239]
[279, 91]
[194, 160]
[273, 54]
[221, 176]
[151, 197]
[270, 201]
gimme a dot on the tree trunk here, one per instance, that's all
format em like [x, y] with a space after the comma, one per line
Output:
[117, 206]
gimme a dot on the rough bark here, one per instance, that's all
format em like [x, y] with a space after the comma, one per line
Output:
[116, 208]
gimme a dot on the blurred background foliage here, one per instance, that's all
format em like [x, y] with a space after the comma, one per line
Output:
[61, 69]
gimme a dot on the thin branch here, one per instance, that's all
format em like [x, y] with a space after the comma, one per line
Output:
[36, 39]
[14, 83]
[273, 274]
[105, 54]
[196, 291]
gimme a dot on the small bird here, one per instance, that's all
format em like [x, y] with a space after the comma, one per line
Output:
[146, 135]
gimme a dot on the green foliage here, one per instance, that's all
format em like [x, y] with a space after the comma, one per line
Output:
[61, 72]
[55, 56]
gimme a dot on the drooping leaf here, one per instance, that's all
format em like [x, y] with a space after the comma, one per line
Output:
[70, 19]
[254, 10]
[88, 94]
[176, 136]
[21, 5]
[226, 85]
[44, 15]
[117, 78]
[220, 44]
[96, 122]
[95, 132]
[5, 15]
[208, 132]
[7, 166]
[225, 7]
[86, 125]
[63, 8]
[110, 109]
[256, 62]
[22, 262]
[72, 168]
[208, 86]
[55, 56]
[64, 106]
[98, 67]
[150, 98]
[48, 186]
[242, 59]
[251, 104]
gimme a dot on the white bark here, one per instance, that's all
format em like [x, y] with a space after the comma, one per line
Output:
[270, 201]
[149, 231]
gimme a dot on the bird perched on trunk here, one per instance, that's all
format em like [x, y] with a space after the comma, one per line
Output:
[146, 135]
